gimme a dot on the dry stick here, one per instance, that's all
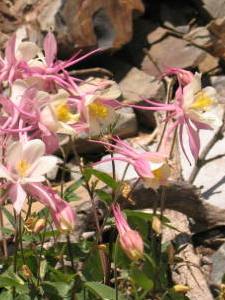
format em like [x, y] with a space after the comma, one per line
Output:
[91, 70]
[5, 248]
[102, 254]
[201, 160]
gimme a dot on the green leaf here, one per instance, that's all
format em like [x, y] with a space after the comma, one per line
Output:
[69, 194]
[9, 216]
[102, 291]
[59, 289]
[6, 295]
[141, 279]
[7, 231]
[104, 177]
[14, 281]
[104, 196]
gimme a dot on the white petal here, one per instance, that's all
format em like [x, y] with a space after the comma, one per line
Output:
[42, 166]
[33, 150]
[18, 88]
[4, 173]
[26, 51]
[14, 154]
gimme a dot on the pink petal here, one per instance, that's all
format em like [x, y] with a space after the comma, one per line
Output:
[42, 193]
[50, 48]
[194, 140]
[10, 50]
[18, 196]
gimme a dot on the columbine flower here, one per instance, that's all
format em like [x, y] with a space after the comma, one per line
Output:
[18, 54]
[97, 106]
[152, 167]
[194, 108]
[58, 114]
[25, 164]
[130, 240]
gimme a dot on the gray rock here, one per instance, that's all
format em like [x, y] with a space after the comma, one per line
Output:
[215, 8]
[172, 52]
[218, 265]
[218, 82]
[137, 85]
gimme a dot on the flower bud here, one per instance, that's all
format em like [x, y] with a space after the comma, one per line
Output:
[156, 225]
[180, 288]
[26, 272]
[132, 244]
[64, 216]
[39, 225]
[130, 240]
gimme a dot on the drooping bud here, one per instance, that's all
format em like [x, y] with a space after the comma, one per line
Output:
[64, 216]
[180, 288]
[26, 272]
[39, 225]
[130, 240]
[184, 77]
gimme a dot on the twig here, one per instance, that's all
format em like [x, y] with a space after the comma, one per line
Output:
[91, 70]
[201, 160]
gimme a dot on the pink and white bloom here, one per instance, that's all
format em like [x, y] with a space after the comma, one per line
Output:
[194, 108]
[152, 167]
[97, 106]
[25, 164]
[130, 240]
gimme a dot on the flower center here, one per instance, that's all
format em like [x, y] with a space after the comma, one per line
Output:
[202, 101]
[63, 113]
[98, 110]
[22, 167]
[158, 173]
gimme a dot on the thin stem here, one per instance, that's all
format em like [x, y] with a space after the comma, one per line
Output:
[4, 242]
[115, 269]
[168, 98]
[70, 251]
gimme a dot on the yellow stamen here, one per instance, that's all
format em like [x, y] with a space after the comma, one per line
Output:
[158, 173]
[202, 101]
[63, 113]
[98, 110]
[22, 167]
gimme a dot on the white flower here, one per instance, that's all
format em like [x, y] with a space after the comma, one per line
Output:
[202, 105]
[26, 162]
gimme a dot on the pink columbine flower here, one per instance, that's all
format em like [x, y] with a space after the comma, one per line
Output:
[152, 167]
[194, 108]
[130, 240]
[18, 54]
[25, 164]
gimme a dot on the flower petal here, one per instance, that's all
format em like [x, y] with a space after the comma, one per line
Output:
[14, 154]
[18, 196]
[33, 150]
[50, 48]
[42, 166]
[4, 173]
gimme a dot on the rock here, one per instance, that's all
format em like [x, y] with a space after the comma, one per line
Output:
[208, 64]
[172, 52]
[218, 82]
[218, 266]
[216, 9]
[217, 30]
[156, 35]
[137, 85]
[177, 21]
[103, 23]
[200, 36]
